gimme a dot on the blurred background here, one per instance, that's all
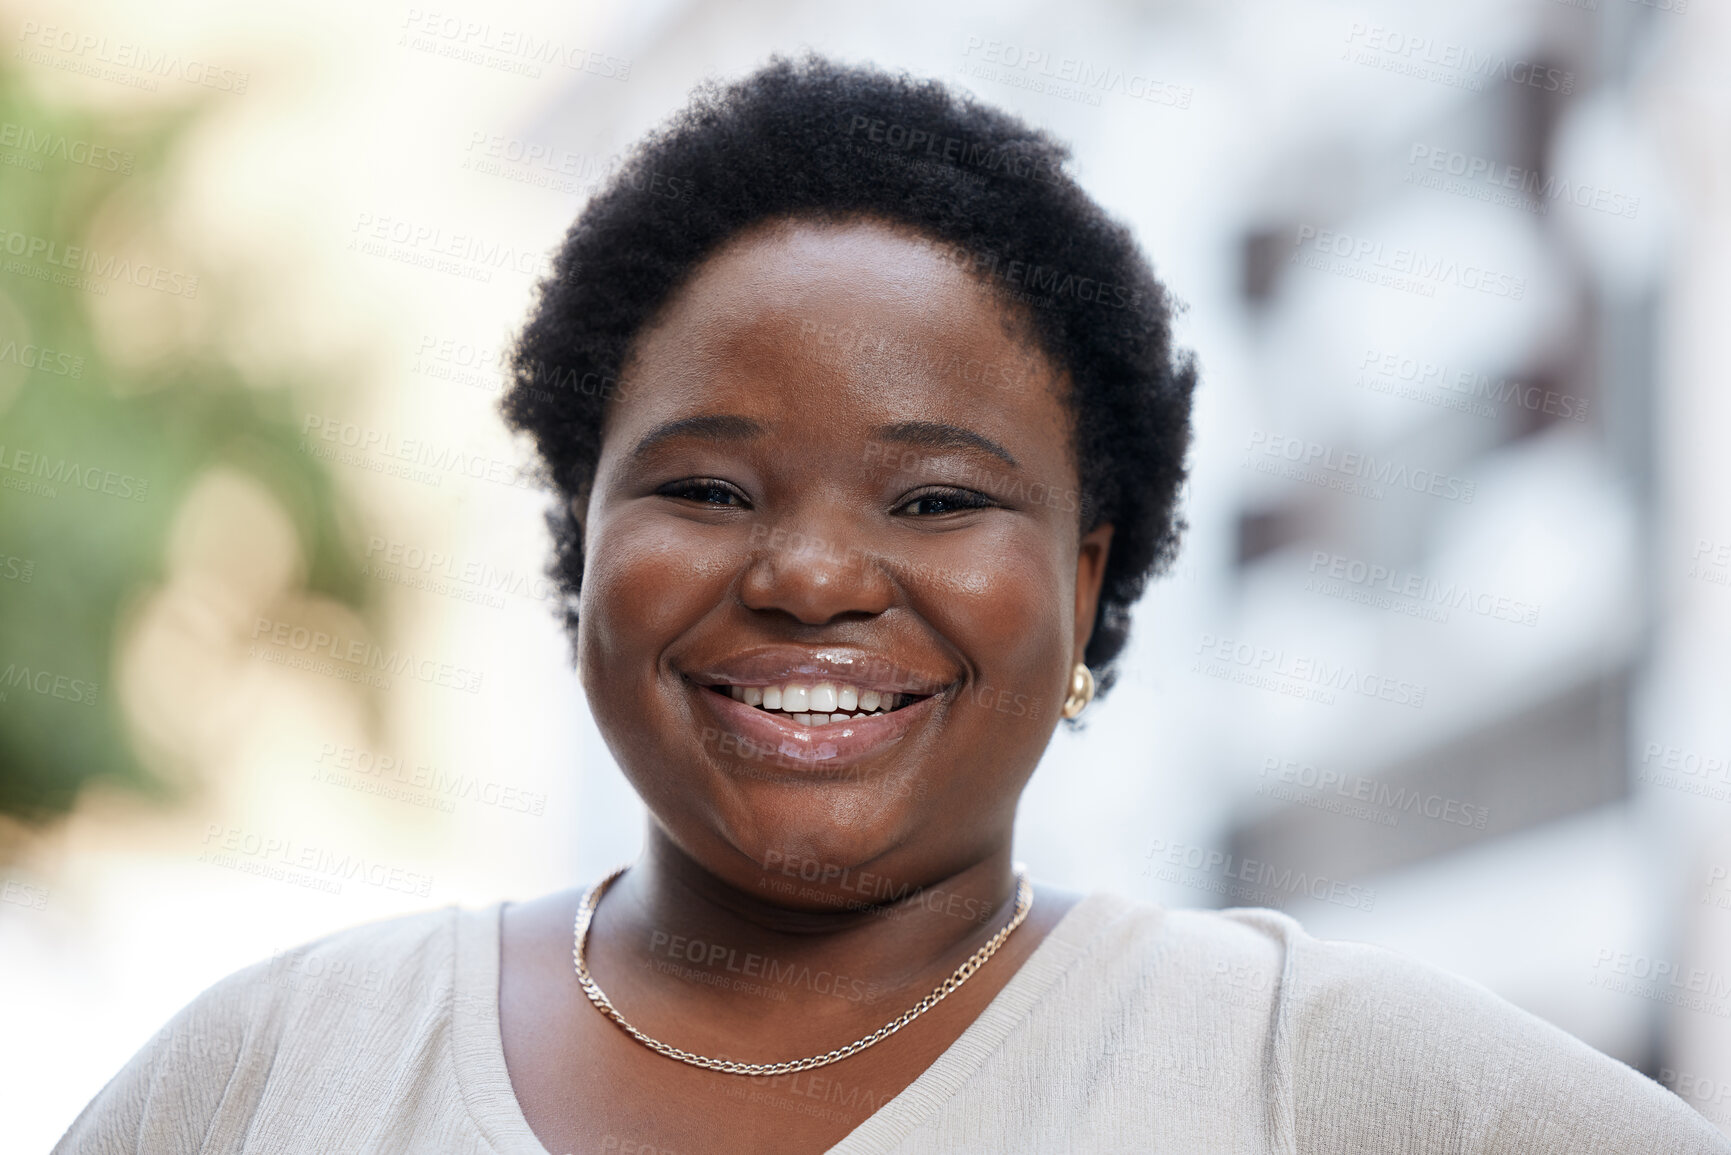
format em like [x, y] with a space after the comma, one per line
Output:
[1442, 665]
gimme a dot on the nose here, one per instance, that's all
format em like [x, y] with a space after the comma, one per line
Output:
[815, 578]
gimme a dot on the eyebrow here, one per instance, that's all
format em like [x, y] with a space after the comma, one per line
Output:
[727, 427]
[937, 435]
[712, 427]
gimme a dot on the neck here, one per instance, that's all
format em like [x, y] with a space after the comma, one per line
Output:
[872, 938]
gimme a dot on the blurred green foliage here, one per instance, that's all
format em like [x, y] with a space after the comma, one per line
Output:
[95, 456]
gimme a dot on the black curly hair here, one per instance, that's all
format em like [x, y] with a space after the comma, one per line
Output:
[813, 139]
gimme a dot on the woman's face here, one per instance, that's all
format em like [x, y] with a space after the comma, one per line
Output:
[835, 476]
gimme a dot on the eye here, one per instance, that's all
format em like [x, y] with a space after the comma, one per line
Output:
[934, 502]
[704, 491]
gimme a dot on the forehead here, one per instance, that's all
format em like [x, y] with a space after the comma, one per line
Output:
[839, 323]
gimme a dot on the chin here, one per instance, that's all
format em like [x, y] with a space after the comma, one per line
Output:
[816, 830]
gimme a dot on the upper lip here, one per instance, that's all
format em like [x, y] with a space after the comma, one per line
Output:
[848, 665]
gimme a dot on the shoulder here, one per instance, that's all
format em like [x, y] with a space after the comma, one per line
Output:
[1387, 1052]
[360, 973]
[219, 1051]
[1236, 957]
[381, 959]
[1367, 1050]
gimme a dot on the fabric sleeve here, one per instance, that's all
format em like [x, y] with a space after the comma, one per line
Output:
[1389, 1055]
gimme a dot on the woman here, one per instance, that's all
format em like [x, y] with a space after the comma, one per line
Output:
[867, 431]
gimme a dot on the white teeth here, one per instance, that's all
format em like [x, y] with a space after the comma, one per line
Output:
[819, 704]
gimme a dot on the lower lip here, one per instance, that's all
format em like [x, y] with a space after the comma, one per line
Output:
[776, 738]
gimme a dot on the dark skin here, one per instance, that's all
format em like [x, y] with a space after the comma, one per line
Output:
[843, 513]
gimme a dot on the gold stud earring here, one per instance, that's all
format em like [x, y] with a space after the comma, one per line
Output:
[1081, 690]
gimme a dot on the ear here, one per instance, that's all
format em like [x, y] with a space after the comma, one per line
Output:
[1091, 556]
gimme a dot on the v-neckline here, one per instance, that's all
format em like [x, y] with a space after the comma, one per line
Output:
[478, 1048]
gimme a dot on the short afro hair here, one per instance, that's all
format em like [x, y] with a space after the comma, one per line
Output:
[810, 138]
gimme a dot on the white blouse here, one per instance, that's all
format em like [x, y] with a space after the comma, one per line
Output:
[1130, 1028]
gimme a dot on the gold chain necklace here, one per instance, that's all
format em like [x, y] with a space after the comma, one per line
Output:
[586, 913]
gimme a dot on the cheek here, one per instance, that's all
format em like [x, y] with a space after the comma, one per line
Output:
[1004, 606]
[644, 582]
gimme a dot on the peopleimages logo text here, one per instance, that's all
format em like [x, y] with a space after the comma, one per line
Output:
[46, 683]
[514, 44]
[363, 654]
[1273, 882]
[81, 261]
[1302, 670]
[1457, 64]
[1469, 385]
[384, 447]
[1364, 471]
[60, 471]
[954, 150]
[1421, 266]
[1663, 980]
[286, 855]
[59, 146]
[1376, 578]
[1356, 787]
[90, 48]
[1088, 77]
[1542, 187]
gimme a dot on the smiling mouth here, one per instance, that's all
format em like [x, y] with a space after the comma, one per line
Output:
[818, 703]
